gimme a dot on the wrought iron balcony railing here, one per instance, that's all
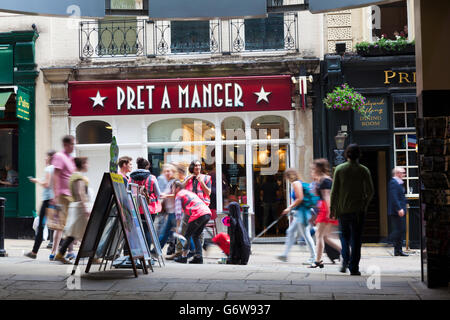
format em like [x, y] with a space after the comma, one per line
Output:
[133, 38]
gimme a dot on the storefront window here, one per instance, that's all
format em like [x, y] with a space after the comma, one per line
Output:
[91, 132]
[404, 115]
[181, 130]
[233, 128]
[9, 141]
[270, 127]
[234, 182]
[405, 152]
[269, 164]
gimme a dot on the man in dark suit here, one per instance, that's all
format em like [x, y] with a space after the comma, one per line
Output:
[397, 209]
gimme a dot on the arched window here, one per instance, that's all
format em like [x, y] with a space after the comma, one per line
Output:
[95, 131]
[180, 130]
[233, 128]
[274, 127]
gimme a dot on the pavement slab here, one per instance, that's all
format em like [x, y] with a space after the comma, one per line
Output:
[264, 278]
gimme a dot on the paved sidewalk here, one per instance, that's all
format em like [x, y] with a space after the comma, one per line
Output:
[264, 278]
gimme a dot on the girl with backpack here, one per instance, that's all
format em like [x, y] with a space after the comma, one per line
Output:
[302, 202]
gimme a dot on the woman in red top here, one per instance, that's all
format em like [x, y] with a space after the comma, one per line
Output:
[320, 171]
[198, 183]
[199, 214]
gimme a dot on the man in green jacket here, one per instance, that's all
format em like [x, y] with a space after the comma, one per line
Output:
[351, 194]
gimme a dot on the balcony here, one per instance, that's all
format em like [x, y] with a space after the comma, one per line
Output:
[135, 38]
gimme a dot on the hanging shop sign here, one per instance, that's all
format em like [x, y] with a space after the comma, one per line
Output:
[171, 96]
[378, 115]
[23, 104]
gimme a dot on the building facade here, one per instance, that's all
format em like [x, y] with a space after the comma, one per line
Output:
[388, 82]
[72, 52]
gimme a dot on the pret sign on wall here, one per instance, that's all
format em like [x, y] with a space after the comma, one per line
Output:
[23, 104]
[378, 115]
[190, 95]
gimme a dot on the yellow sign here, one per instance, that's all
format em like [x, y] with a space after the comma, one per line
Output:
[116, 177]
[393, 77]
[23, 104]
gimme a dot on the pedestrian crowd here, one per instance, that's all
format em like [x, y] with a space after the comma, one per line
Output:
[331, 208]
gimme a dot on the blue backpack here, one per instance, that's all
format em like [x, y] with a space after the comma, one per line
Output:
[309, 198]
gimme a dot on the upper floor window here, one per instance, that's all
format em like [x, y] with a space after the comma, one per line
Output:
[393, 20]
[127, 7]
[189, 36]
[263, 34]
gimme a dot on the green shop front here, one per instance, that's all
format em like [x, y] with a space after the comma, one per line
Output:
[387, 137]
[17, 130]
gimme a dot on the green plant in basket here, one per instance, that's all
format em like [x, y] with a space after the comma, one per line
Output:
[346, 98]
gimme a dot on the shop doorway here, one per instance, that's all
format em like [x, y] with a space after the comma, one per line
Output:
[270, 189]
[376, 228]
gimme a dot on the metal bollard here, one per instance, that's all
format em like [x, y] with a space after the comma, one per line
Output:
[245, 215]
[2, 228]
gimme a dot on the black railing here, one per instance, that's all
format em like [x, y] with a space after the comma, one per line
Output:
[134, 38]
[111, 38]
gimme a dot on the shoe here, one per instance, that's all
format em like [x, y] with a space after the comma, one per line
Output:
[59, 257]
[196, 260]
[282, 258]
[71, 256]
[401, 254]
[343, 268]
[190, 254]
[173, 256]
[316, 264]
[51, 257]
[50, 245]
[30, 255]
[181, 259]
[355, 273]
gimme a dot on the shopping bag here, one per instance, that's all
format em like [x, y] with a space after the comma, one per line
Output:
[36, 225]
[54, 221]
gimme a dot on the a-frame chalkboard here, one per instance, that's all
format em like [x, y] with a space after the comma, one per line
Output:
[113, 212]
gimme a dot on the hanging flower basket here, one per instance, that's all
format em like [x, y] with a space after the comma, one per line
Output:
[345, 98]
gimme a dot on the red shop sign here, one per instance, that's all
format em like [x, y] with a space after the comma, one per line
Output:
[170, 96]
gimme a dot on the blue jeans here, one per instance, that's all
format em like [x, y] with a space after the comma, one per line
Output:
[351, 227]
[167, 229]
[297, 228]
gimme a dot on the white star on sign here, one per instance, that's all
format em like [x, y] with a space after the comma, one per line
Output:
[262, 95]
[98, 99]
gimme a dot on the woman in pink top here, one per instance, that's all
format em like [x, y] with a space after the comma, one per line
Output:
[64, 167]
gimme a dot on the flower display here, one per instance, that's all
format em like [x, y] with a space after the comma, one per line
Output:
[346, 98]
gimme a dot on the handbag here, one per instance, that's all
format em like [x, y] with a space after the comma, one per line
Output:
[54, 221]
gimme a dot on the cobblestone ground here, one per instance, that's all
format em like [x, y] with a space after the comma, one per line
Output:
[264, 278]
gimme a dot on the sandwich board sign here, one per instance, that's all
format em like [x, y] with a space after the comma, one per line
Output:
[113, 216]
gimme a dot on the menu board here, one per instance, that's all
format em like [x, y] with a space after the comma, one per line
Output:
[378, 117]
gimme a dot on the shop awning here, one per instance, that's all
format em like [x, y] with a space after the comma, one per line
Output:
[4, 97]
[319, 6]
